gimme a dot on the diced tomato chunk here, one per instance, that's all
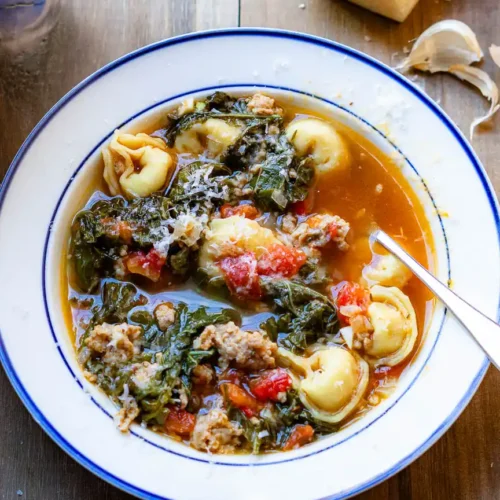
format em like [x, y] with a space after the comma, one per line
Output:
[299, 208]
[148, 265]
[179, 421]
[270, 384]
[354, 296]
[241, 399]
[280, 261]
[301, 435]
[333, 230]
[241, 275]
[248, 211]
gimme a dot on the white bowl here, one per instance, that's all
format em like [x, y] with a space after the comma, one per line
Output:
[47, 182]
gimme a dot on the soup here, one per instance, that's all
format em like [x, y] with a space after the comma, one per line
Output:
[223, 289]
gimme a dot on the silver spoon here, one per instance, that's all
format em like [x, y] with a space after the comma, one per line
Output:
[485, 331]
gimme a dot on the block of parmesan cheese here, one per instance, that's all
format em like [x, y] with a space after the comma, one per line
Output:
[395, 9]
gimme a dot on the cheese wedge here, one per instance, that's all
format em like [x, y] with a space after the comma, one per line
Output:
[394, 9]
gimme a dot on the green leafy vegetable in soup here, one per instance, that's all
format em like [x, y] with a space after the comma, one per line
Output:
[133, 354]
[306, 315]
[270, 350]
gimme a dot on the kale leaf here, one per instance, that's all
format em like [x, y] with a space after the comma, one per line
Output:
[192, 359]
[96, 239]
[275, 423]
[88, 230]
[279, 179]
[306, 315]
[199, 184]
[270, 185]
[116, 301]
[217, 105]
[173, 351]
[181, 261]
[169, 352]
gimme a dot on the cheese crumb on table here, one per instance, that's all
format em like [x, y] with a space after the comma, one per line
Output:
[394, 9]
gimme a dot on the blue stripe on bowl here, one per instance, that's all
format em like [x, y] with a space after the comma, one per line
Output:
[46, 425]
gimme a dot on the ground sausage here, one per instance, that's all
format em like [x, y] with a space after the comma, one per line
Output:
[215, 433]
[247, 350]
[165, 315]
[203, 375]
[127, 415]
[263, 105]
[319, 230]
[116, 343]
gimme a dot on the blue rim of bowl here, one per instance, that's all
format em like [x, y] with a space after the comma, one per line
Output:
[37, 415]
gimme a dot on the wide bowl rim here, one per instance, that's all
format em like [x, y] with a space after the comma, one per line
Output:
[486, 184]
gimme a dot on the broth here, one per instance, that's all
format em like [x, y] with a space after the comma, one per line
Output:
[371, 193]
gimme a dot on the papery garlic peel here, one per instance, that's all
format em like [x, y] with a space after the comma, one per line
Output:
[442, 45]
[495, 54]
[451, 46]
[484, 83]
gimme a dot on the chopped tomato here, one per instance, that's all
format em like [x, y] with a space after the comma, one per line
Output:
[179, 421]
[241, 275]
[299, 208]
[354, 296]
[248, 211]
[117, 229]
[148, 265]
[301, 435]
[281, 261]
[270, 384]
[333, 230]
[241, 399]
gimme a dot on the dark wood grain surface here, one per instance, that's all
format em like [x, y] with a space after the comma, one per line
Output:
[465, 463]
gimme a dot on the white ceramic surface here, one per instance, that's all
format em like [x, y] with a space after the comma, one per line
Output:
[47, 181]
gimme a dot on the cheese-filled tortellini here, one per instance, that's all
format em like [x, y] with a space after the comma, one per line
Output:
[331, 382]
[386, 270]
[394, 326]
[214, 135]
[321, 142]
[226, 235]
[136, 165]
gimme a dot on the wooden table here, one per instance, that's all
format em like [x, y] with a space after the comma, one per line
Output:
[465, 463]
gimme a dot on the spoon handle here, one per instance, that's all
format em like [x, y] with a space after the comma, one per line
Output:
[485, 331]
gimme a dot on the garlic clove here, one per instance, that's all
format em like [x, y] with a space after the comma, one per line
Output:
[451, 46]
[495, 54]
[484, 83]
[444, 44]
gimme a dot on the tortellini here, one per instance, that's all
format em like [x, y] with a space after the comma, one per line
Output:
[331, 382]
[387, 270]
[394, 326]
[214, 134]
[321, 142]
[244, 234]
[135, 165]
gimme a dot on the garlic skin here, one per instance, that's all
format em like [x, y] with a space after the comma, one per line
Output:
[451, 46]
[444, 44]
[495, 54]
[484, 83]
